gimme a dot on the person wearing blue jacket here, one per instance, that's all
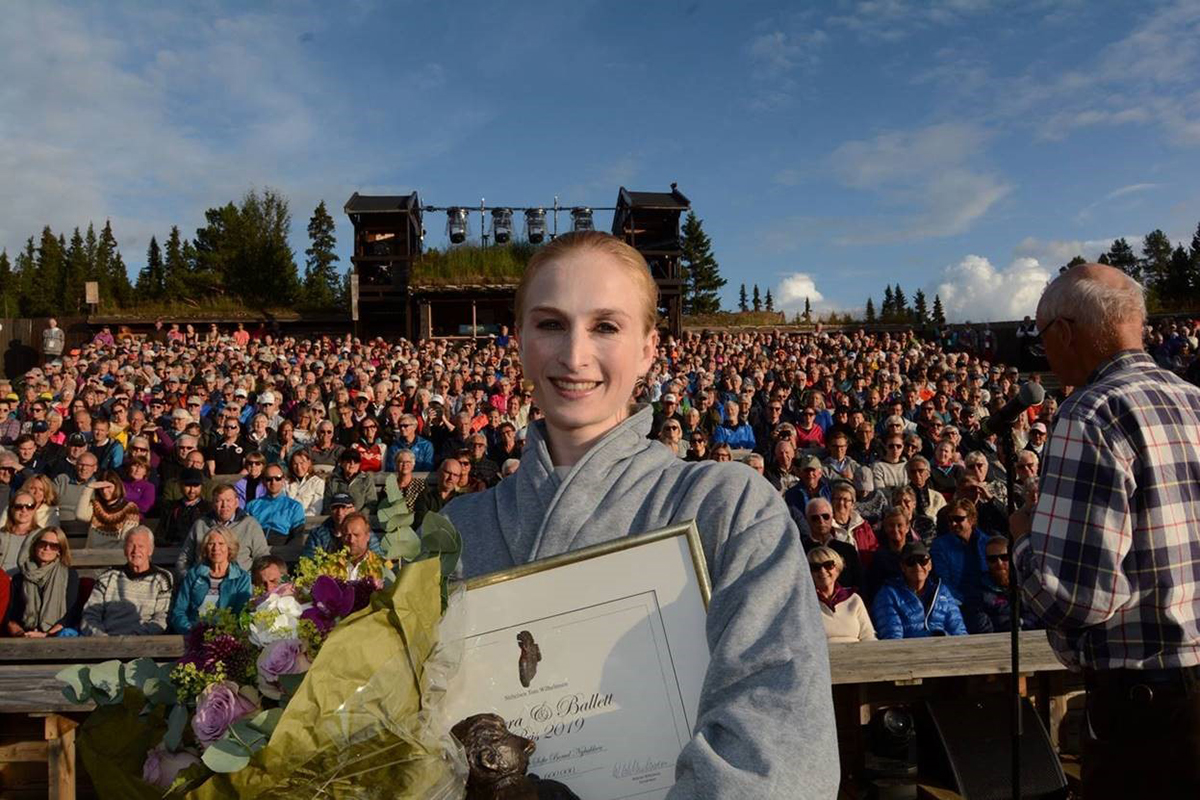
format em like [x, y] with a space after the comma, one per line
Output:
[734, 432]
[407, 439]
[215, 582]
[915, 606]
[960, 554]
[280, 516]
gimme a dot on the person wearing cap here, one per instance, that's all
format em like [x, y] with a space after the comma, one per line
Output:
[1037, 439]
[915, 605]
[327, 536]
[280, 516]
[268, 406]
[65, 465]
[47, 451]
[668, 409]
[349, 479]
[178, 517]
[812, 484]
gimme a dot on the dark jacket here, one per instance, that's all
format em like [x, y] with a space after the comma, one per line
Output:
[361, 488]
[177, 520]
[898, 613]
[16, 604]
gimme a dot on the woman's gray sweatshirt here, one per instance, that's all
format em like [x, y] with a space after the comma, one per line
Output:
[765, 727]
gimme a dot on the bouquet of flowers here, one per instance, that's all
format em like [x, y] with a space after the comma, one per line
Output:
[314, 689]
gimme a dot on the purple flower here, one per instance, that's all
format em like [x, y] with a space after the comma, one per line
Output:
[220, 706]
[333, 597]
[363, 589]
[162, 766]
[280, 658]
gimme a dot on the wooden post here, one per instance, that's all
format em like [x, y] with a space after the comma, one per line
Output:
[60, 753]
[474, 327]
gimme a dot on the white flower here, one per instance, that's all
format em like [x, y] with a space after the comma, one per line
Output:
[275, 618]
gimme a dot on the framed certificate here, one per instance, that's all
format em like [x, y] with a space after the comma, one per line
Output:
[597, 655]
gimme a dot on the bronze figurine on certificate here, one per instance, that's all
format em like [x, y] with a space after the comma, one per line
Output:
[531, 654]
[498, 759]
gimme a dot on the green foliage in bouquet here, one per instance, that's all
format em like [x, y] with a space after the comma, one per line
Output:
[438, 538]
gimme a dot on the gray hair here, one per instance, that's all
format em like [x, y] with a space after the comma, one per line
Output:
[1092, 303]
[975, 457]
[816, 502]
[142, 530]
[754, 459]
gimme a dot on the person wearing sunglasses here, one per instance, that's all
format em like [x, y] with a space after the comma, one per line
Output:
[959, 554]
[17, 529]
[280, 516]
[915, 605]
[818, 532]
[843, 611]
[45, 591]
[992, 614]
[891, 470]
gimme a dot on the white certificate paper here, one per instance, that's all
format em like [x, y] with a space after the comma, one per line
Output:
[614, 653]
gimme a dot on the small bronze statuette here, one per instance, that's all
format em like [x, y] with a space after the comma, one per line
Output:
[531, 654]
[498, 759]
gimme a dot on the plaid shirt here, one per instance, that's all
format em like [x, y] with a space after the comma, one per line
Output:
[1112, 564]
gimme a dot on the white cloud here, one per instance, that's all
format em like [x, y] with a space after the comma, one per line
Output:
[791, 292]
[780, 55]
[975, 290]
[892, 20]
[928, 172]
[1056, 252]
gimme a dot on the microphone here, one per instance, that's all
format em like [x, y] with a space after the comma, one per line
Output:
[1031, 394]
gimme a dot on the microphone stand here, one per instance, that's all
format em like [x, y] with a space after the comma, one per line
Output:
[1008, 447]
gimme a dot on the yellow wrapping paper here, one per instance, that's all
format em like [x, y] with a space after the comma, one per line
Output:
[357, 727]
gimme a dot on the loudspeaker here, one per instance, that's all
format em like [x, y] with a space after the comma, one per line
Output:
[966, 743]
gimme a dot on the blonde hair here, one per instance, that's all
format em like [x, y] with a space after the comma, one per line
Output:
[64, 546]
[48, 490]
[231, 542]
[822, 553]
[629, 259]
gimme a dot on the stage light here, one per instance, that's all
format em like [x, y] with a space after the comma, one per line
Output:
[456, 224]
[535, 225]
[581, 219]
[501, 225]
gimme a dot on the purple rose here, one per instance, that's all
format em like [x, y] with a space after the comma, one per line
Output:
[332, 599]
[280, 658]
[220, 706]
[162, 766]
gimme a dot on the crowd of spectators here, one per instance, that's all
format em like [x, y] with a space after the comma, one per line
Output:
[223, 444]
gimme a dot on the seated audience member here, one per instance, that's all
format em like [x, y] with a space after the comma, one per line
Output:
[819, 533]
[110, 515]
[45, 502]
[132, 600]
[250, 486]
[409, 485]
[915, 605]
[697, 447]
[215, 581]
[929, 501]
[45, 592]
[959, 555]
[755, 462]
[482, 467]
[843, 612]
[16, 532]
[733, 431]
[70, 485]
[993, 614]
[357, 557]
[838, 463]
[812, 484]
[848, 524]
[305, 486]
[138, 489]
[885, 564]
[267, 573]
[780, 471]
[891, 470]
[437, 495]
[180, 515]
[324, 450]
[226, 515]
[469, 482]
[721, 452]
[280, 516]
[945, 469]
[349, 479]
[327, 536]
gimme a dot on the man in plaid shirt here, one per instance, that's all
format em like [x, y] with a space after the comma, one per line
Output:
[1110, 557]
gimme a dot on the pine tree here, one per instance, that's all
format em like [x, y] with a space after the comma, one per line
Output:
[1156, 258]
[870, 312]
[25, 268]
[43, 290]
[321, 279]
[8, 287]
[807, 310]
[151, 278]
[1121, 256]
[770, 301]
[1077, 261]
[74, 275]
[90, 247]
[757, 301]
[742, 303]
[1176, 285]
[939, 314]
[920, 310]
[703, 274]
[176, 270]
[889, 304]
[1194, 257]
[115, 289]
[899, 305]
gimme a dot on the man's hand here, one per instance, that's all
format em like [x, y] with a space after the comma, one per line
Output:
[1020, 523]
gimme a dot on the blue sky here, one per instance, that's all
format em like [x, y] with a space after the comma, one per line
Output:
[966, 147]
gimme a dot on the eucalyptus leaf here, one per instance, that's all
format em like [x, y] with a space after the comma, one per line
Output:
[225, 755]
[265, 721]
[289, 683]
[401, 544]
[141, 670]
[176, 722]
[160, 691]
[108, 682]
[392, 488]
[79, 684]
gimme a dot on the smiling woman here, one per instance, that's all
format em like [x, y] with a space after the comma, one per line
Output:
[586, 311]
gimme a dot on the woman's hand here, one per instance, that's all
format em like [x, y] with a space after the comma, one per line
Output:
[98, 485]
[35, 635]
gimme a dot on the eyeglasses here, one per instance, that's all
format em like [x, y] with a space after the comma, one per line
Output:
[231, 427]
[820, 516]
[994, 558]
[916, 561]
[273, 479]
[896, 446]
[959, 518]
[817, 566]
[23, 506]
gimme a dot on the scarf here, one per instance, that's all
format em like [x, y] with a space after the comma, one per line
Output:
[839, 594]
[45, 594]
[112, 518]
